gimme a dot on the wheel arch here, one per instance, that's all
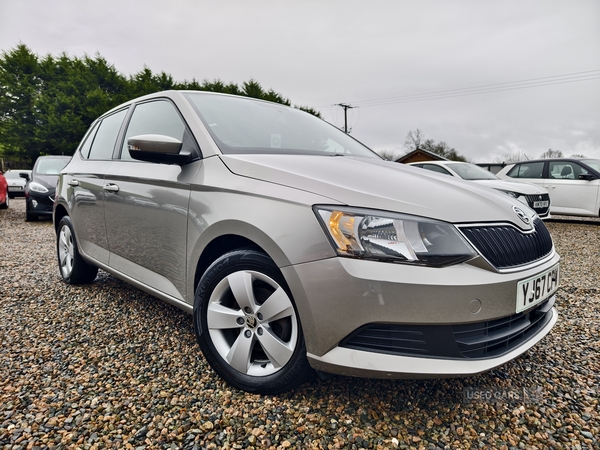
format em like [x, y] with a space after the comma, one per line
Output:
[218, 247]
[59, 212]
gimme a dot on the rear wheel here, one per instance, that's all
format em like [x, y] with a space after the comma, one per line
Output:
[247, 325]
[73, 268]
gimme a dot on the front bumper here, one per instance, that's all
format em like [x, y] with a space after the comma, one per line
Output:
[16, 191]
[40, 204]
[338, 296]
[350, 362]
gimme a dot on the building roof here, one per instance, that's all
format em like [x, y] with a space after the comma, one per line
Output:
[420, 155]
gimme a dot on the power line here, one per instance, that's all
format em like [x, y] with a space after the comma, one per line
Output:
[486, 88]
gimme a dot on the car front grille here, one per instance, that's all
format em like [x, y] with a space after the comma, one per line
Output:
[505, 246]
[478, 340]
[531, 199]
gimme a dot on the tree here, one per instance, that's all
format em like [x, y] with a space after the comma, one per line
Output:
[20, 87]
[309, 110]
[415, 140]
[46, 104]
[578, 155]
[388, 155]
[551, 154]
[145, 82]
[512, 157]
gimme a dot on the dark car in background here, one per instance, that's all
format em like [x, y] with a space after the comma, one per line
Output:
[41, 185]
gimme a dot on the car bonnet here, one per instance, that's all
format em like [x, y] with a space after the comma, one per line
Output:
[383, 185]
[513, 186]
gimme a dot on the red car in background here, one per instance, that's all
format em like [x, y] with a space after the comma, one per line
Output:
[3, 192]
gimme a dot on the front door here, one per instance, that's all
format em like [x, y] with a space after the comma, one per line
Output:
[146, 206]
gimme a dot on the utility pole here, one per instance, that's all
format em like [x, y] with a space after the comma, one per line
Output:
[346, 108]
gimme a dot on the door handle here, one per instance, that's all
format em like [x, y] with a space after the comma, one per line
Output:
[73, 182]
[111, 187]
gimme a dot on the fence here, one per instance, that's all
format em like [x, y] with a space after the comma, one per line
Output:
[14, 164]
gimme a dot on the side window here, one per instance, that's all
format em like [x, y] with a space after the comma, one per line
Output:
[566, 170]
[435, 168]
[157, 117]
[527, 170]
[106, 136]
[87, 145]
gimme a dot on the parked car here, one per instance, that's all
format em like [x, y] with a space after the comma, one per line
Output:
[4, 198]
[296, 247]
[40, 186]
[535, 197]
[16, 184]
[573, 184]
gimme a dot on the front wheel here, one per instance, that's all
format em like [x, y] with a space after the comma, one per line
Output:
[29, 217]
[247, 325]
[73, 268]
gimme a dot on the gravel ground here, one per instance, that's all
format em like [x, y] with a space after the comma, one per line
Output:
[106, 365]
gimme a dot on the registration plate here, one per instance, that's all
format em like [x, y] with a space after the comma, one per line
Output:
[15, 188]
[541, 204]
[534, 290]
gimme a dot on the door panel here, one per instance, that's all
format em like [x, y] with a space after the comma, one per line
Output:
[85, 181]
[146, 220]
[569, 194]
[573, 196]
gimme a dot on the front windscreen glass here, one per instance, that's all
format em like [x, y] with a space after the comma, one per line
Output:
[243, 125]
[50, 166]
[472, 172]
[593, 163]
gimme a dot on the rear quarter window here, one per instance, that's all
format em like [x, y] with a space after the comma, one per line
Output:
[527, 170]
[104, 142]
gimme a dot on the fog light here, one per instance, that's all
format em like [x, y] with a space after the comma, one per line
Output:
[34, 203]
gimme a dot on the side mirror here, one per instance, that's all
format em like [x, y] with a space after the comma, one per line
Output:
[157, 148]
[586, 176]
[25, 175]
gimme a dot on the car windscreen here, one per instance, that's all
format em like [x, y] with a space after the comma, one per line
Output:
[472, 172]
[12, 175]
[593, 163]
[50, 166]
[242, 125]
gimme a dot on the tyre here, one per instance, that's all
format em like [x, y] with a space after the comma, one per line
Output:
[73, 268]
[5, 204]
[247, 325]
[28, 215]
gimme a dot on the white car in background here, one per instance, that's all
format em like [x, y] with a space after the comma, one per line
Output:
[16, 184]
[573, 184]
[536, 197]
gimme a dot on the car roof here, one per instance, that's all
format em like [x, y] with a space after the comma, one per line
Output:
[549, 159]
[54, 157]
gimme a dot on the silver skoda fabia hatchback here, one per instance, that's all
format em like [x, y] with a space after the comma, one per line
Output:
[295, 247]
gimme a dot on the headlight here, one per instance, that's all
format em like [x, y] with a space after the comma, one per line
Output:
[37, 187]
[516, 195]
[510, 193]
[369, 234]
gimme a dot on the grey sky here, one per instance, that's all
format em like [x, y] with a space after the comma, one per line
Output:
[319, 53]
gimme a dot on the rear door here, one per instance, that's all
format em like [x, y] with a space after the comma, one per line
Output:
[530, 172]
[85, 185]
